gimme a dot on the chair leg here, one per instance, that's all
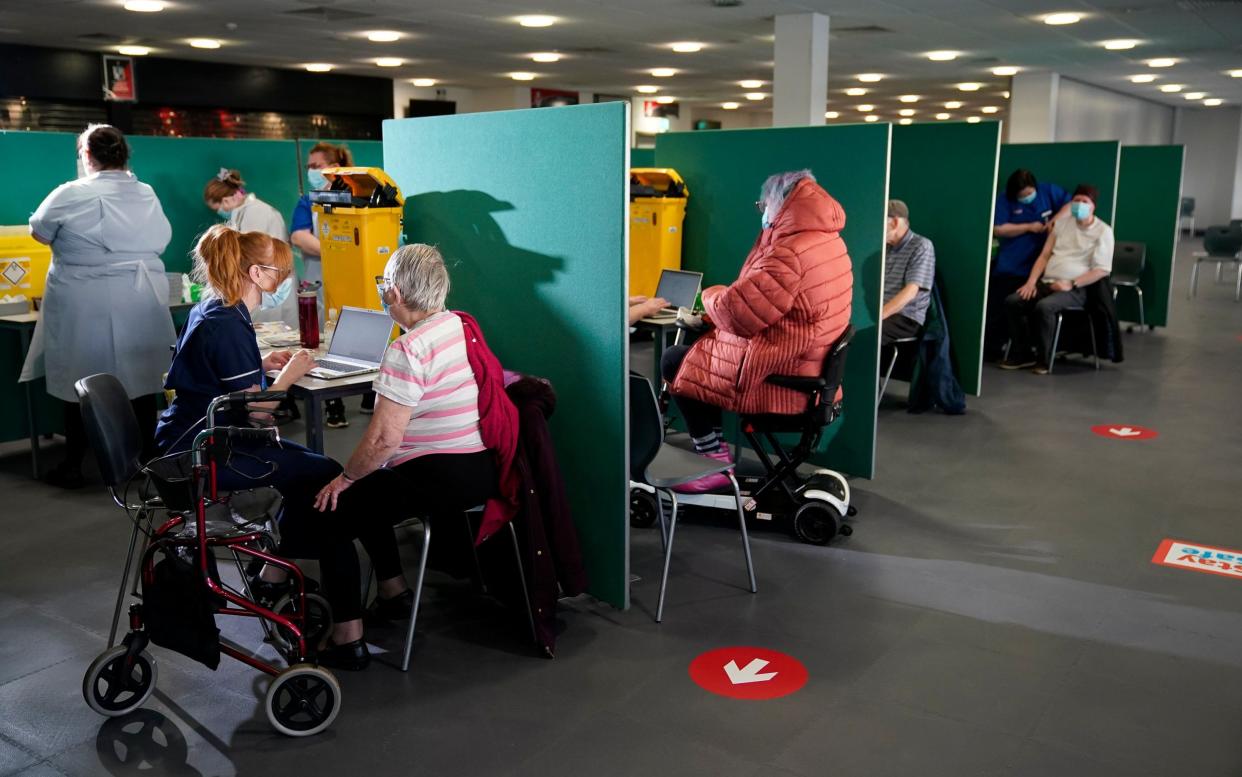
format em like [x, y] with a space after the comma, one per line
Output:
[1237, 288]
[1194, 281]
[741, 522]
[521, 569]
[888, 373]
[1095, 350]
[418, 595]
[1056, 339]
[668, 555]
[479, 583]
[120, 593]
[1142, 312]
[663, 525]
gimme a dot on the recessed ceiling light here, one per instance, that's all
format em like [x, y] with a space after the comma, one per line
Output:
[756, 96]
[730, 106]
[423, 82]
[855, 91]
[1162, 62]
[870, 78]
[943, 56]
[319, 67]
[546, 56]
[1212, 102]
[1005, 70]
[872, 117]
[687, 47]
[973, 120]
[751, 83]
[953, 105]
[1172, 88]
[522, 76]
[144, 6]
[204, 43]
[906, 121]
[865, 108]
[383, 36]
[1005, 94]
[666, 99]
[831, 115]
[390, 61]
[970, 86]
[1143, 78]
[909, 98]
[133, 51]
[1121, 44]
[536, 20]
[1195, 95]
[663, 72]
[942, 116]
[1235, 73]
[646, 89]
[906, 112]
[990, 109]
[1060, 19]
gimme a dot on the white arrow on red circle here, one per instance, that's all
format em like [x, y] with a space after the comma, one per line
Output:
[751, 673]
[1124, 431]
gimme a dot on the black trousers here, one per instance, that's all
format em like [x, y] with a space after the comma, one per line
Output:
[996, 329]
[1034, 321]
[701, 418]
[898, 327]
[75, 430]
[367, 511]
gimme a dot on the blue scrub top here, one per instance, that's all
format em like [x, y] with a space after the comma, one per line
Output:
[302, 216]
[216, 354]
[1018, 254]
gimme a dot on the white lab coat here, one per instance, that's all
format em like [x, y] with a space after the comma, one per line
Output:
[255, 215]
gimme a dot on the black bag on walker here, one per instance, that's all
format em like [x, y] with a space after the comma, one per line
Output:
[179, 612]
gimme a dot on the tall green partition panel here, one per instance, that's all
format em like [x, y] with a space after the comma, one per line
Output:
[946, 173]
[529, 208]
[1067, 164]
[179, 168]
[723, 171]
[1149, 199]
[642, 157]
[44, 161]
[367, 153]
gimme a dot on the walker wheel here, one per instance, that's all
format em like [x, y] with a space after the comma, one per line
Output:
[644, 512]
[851, 511]
[816, 523]
[315, 625]
[112, 689]
[302, 701]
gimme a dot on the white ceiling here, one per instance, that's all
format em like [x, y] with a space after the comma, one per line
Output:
[609, 44]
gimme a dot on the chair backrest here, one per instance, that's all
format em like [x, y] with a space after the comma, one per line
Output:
[111, 427]
[1222, 241]
[1129, 258]
[1235, 225]
[828, 408]
[1188, 206]
[646, 427]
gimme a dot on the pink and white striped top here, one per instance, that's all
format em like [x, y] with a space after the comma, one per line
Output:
[426, 369]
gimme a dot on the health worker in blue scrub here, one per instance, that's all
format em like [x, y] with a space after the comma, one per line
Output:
[217, 354]
[1023, 218]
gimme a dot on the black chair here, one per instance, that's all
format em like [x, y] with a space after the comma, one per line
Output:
[1221, 245]
[1056, 336]
[1187, 212]
[895, 348]
[662, 467]
[1129, 260]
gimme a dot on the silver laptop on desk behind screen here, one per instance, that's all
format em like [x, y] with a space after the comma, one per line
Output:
[678, 288]
[358, 344]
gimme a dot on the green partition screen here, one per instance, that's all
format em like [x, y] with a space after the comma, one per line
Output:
[529, 208]
[179, 168]
[47, 159]
[367, 153]
[723, 171]
[1149, 196]
[1067, 164]
[642, 157]
[946, 173]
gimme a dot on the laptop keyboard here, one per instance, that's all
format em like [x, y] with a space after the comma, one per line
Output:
[336, 366]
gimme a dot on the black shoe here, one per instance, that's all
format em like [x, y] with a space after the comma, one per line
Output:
[65, 475]
[1018, 364]
[352, 656]
[336, 421]
[395, 609]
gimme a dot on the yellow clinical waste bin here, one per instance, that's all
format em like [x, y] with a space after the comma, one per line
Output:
[359, 228]
[23, 263]
[657, 210]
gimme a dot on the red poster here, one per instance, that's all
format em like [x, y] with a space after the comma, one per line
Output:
[119, 83]
[552, 98]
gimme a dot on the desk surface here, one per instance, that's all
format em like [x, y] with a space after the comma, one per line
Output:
[20, 319]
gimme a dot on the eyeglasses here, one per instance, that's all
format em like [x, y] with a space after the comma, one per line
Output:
[382, 285]
[759, 206]
[276, 270]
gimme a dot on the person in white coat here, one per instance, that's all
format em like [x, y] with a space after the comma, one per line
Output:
[105, 307]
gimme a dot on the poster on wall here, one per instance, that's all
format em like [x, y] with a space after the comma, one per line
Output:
[611, 98]
[552, 98]
[119, 83]
[658, 110]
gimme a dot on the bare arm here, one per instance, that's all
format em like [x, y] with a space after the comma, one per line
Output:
[1037, 271]
[381, 438]
[1013, 230]
[1090, 277]
[305, 242]
[900, 300]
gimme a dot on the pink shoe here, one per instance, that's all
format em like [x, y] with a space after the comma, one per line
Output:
[709, 482]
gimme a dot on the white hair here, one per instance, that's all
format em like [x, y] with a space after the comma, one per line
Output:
[778, 187]
[418, 272]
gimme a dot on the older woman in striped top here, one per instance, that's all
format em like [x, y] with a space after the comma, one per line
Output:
[423, 450]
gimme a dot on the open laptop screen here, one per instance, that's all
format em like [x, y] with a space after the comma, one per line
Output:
[679, 287]
[362, 335]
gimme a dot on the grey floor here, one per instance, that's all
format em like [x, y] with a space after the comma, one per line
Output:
[995, 613]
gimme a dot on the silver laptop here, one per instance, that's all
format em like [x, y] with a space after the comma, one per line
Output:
[678, 288]
[358, 344]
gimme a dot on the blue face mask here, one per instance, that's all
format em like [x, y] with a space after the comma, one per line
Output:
[224, 213]
[1080, 210]
[316, 179]
[274, 299]
[1028, 199]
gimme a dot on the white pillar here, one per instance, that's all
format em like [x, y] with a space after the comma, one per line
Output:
[800, 85]
[1033, 108]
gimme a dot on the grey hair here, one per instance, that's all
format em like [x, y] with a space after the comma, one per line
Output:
[778, 187]
[418, 272]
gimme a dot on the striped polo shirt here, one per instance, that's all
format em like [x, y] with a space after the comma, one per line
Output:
[426, 369]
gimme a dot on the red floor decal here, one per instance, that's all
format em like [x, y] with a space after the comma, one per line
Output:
[1124, 431]
[748, 673]
[1199, 558]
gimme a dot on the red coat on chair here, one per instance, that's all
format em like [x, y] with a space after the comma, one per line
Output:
[788, 305]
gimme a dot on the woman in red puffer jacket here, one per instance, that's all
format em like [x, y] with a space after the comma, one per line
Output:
[790, 302]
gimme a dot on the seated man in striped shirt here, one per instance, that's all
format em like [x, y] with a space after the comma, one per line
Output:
[909, 272]
[422, 453]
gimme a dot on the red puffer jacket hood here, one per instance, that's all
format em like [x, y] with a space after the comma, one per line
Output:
[790, 302]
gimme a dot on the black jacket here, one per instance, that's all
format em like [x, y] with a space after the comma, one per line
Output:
[1103, 314]
[933, 383]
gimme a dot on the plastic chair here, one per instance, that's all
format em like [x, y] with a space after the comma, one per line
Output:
[1220, 245]
[662, 467]
[895, 345]
[1129, 260]
[1187, 212]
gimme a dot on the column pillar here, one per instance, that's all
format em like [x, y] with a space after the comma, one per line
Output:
[800, 83]
[1033, 108]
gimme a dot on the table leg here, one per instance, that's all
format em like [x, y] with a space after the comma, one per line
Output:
[313, 411]
[659, 342]
[31, 421]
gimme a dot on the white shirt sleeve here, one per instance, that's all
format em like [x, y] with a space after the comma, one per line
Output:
[51, 214]
[1102, 256]
[402, 376]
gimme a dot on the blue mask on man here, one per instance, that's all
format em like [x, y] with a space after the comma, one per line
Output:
[316, 179]
[1080, 210]
[1028, 199]
[274, 299]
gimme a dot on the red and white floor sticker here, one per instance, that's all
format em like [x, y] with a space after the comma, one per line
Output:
[1199, 558]
[748, 673]
[1125, 431]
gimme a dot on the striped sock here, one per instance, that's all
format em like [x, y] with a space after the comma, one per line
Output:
[707, 444]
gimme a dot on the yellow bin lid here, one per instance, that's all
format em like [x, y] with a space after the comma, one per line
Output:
[662, 179]
[363, 181]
